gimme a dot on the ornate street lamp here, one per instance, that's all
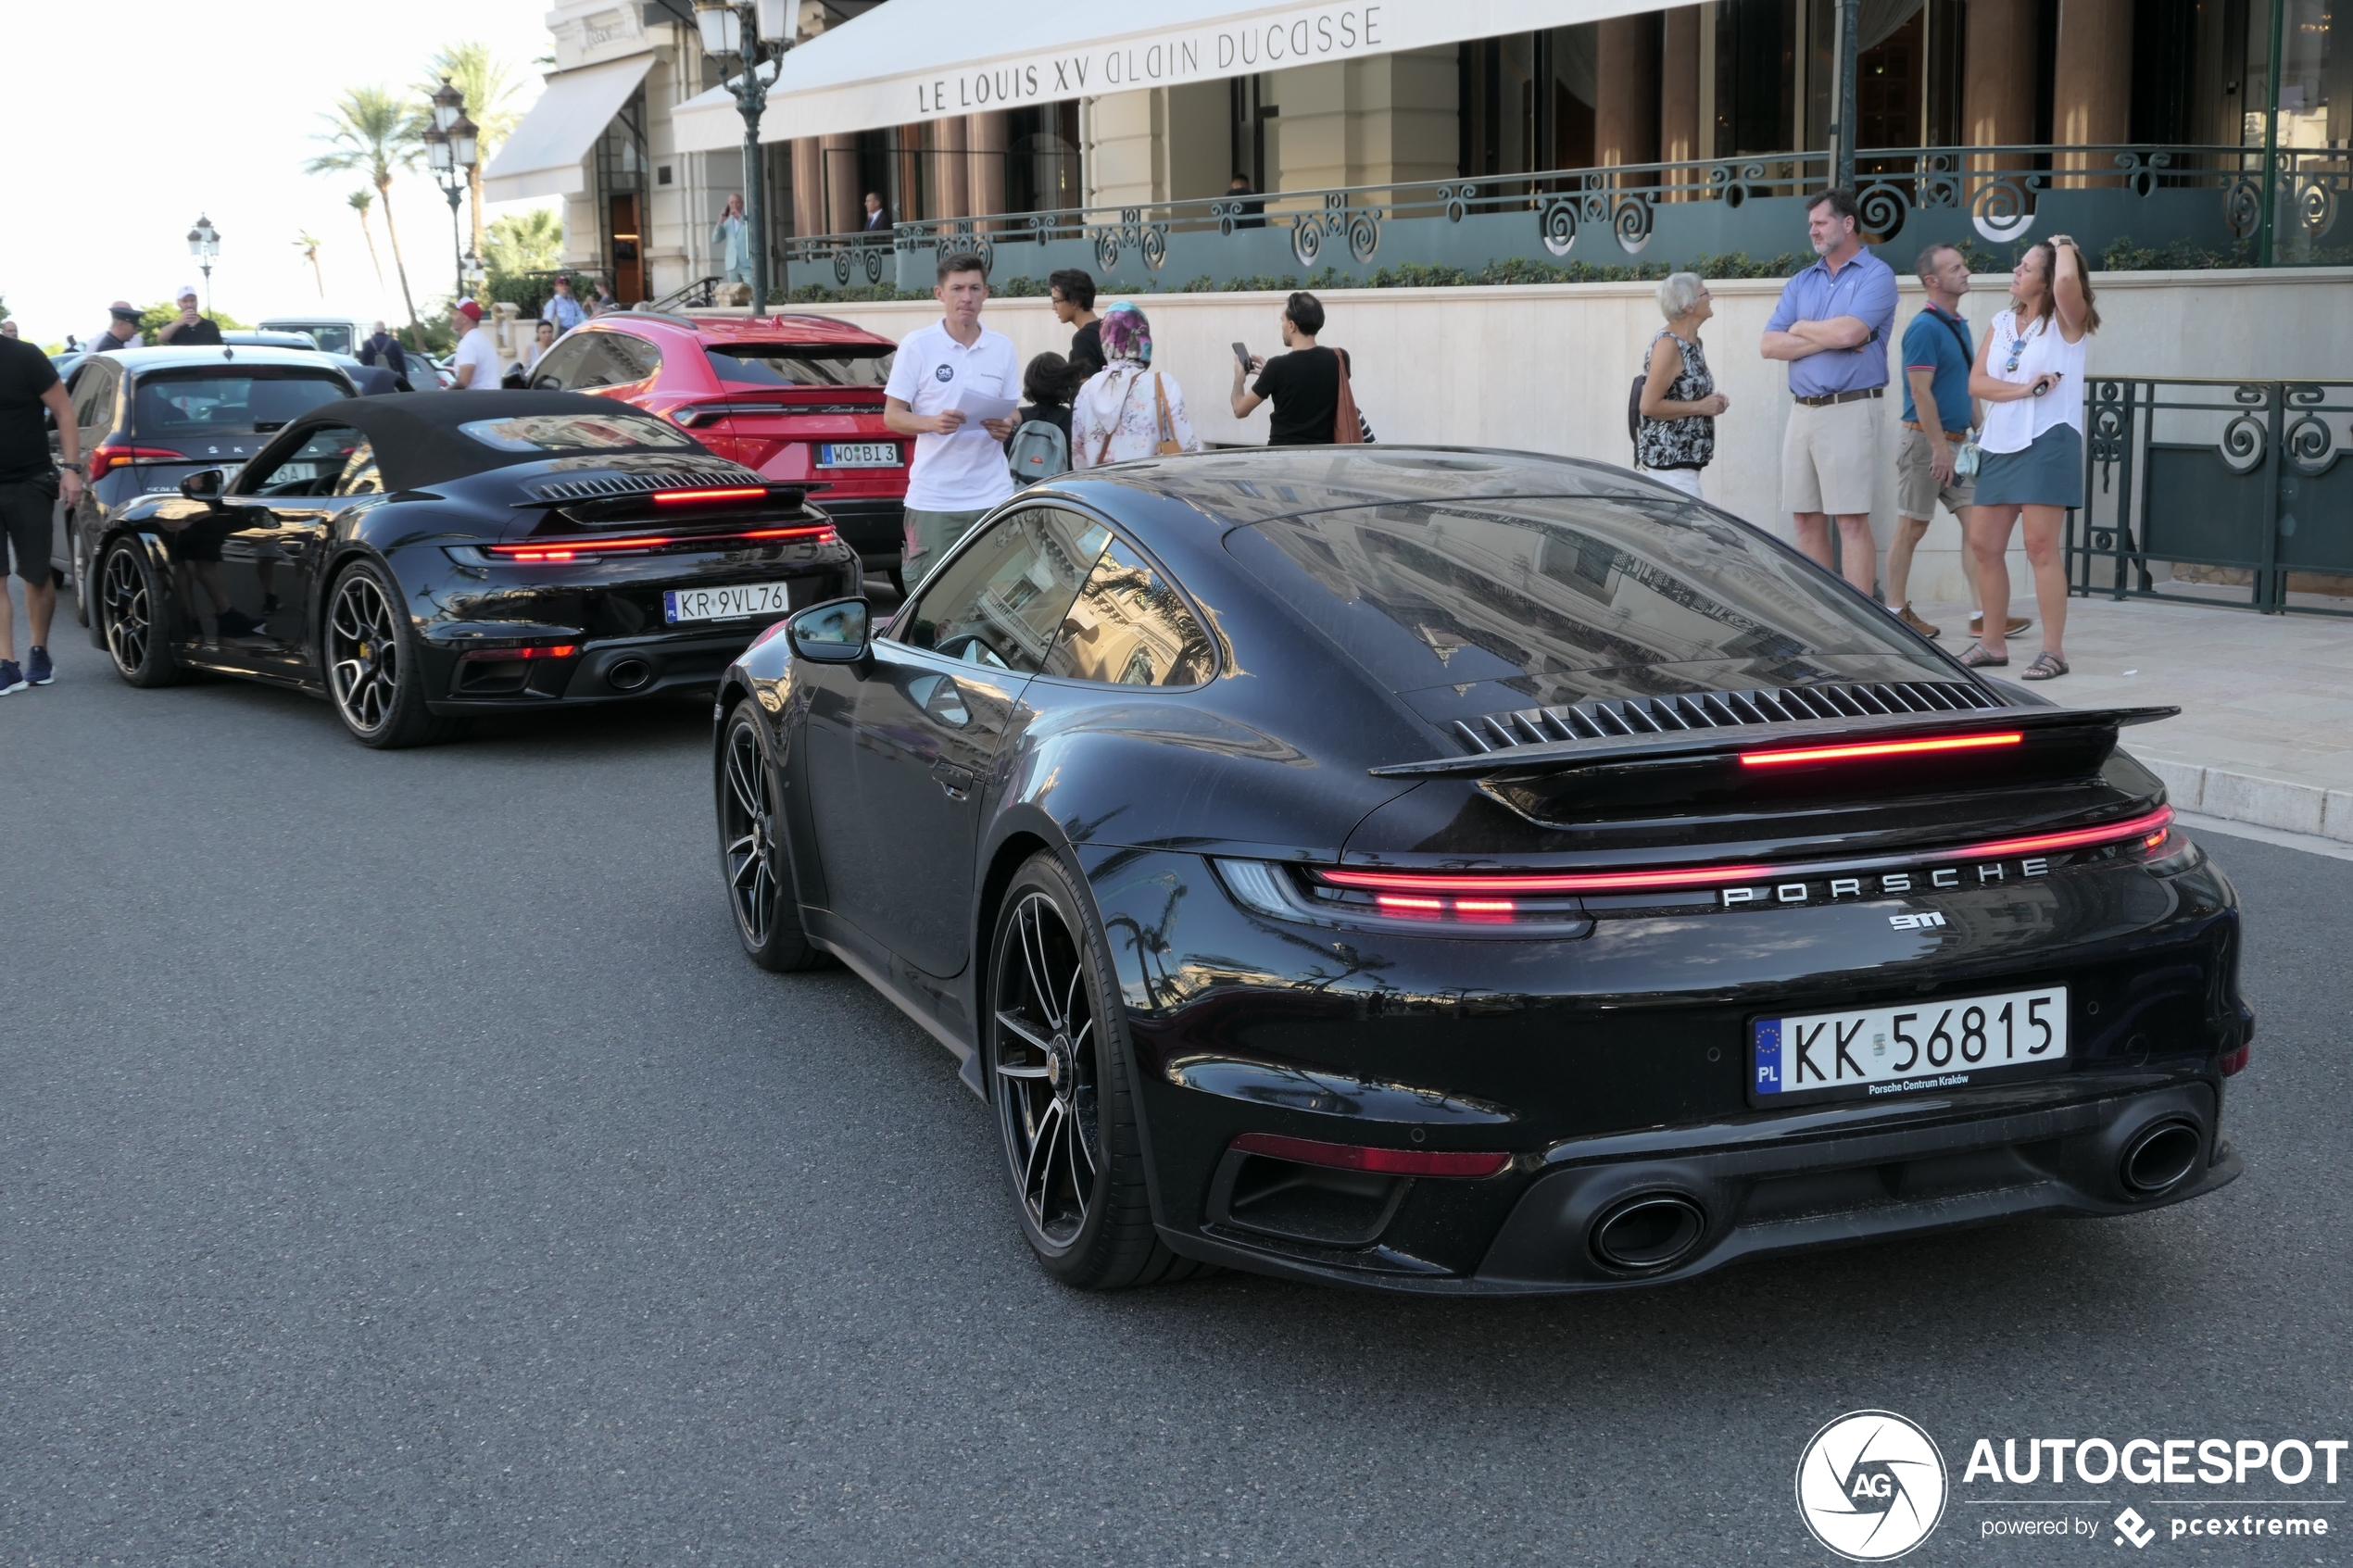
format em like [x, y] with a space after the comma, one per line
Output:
[204, 243]
[474, 273]
[452, 144]
[751, 31]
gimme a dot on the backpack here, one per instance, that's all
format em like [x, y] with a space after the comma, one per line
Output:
[1038, 450]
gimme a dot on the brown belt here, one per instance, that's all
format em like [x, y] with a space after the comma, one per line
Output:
[1826, 399]
[1949, 435]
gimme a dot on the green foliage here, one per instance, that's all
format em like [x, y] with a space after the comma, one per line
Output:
[858, 294]
[157, 317]
[523, 242]
[488, 85]
[1022, 287]
[2123, 256]
[372, 130]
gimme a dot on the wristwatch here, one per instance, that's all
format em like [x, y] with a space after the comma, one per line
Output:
[75, 468]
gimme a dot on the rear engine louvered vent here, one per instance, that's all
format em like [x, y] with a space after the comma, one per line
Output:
[633, 484]
[1608, 719]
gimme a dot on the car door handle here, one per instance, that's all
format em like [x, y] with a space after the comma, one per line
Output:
[956, 782]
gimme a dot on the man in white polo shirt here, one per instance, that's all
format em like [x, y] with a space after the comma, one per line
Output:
[960, 470]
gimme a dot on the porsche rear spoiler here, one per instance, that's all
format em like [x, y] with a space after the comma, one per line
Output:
[1781, 745]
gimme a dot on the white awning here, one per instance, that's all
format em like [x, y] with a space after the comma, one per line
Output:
[543, 156]
[914, 60]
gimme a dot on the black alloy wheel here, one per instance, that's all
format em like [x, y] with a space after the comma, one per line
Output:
[85, 593]
[1057, 1060]
[130, 615]
[374, 676]
[752, 855]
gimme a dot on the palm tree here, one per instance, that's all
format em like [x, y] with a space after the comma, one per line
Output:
[489, 86]
[361, 200]
[308, 242]
[372, 130]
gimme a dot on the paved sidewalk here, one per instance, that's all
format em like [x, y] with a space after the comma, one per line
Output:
[2266, 730]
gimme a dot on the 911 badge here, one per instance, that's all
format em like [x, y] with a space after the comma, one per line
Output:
[1920, 921]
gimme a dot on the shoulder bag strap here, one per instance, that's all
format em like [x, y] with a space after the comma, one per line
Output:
[1168, 423]
[1121, 413]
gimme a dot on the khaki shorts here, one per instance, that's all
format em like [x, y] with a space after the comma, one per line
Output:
[929, 536]
[1829, 456]
[1916, 491]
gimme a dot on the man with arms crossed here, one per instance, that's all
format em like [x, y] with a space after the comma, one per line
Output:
[1938, 416]
[959, 472]
[1832, 326]
[30, 484]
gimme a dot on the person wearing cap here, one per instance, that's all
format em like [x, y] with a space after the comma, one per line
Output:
[122, 331]
[563, 309]
[189, 329]
[475, 359]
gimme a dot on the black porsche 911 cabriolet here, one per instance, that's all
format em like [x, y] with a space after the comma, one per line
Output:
[419, 559]
[1455, 871]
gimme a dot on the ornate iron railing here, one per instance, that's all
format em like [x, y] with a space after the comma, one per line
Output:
[2155, 205]
[2224, 483]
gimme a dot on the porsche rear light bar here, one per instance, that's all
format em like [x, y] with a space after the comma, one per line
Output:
[710, 494]
[1391, 890]
[1359, 1156]
[105, 459]
[590, 548]
[1879, 748]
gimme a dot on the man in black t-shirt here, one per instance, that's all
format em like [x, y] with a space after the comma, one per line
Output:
[191, 328]
[1073, 291]
[1303, 384]
[30, 485]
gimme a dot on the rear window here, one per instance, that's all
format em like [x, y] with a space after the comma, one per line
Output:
[619, 431]
[1534, 591]
[765, 364]
[197, 404]
[333, 337]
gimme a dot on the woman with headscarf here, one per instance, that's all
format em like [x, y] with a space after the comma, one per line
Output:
[1129, 409]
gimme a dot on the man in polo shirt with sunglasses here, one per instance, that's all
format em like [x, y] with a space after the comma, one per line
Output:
[1832, 326]
[959, 472]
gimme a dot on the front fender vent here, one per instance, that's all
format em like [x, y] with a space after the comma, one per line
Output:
[1608, 719]
[637, 485]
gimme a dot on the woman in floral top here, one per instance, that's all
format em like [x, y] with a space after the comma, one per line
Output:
[1127, 409]
[1676, 437]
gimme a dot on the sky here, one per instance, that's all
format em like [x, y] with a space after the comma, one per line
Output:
[126, 118]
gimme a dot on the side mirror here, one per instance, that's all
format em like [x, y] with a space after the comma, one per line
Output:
[833, 632]
[206, 485]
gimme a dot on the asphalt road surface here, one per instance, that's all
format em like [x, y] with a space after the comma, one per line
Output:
[399, 1164]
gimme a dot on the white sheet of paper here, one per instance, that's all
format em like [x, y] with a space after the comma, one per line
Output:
[979, 406]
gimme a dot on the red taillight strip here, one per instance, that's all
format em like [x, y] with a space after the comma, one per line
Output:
[570, 549]
[1357, 1157]
[105, 459]
[1879, 748]
[726, 493]
[2078, 839]
[1395, 883]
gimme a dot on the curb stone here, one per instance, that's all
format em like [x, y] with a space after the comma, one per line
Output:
[2250, 797]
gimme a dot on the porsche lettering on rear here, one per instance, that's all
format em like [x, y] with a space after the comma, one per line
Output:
[1878, 884]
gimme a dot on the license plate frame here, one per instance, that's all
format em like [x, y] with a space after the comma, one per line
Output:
[860, 454]
[688, 606]
[1852, 1055]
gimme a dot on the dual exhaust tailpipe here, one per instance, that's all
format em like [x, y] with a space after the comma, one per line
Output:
[1647, 1232]
[2161, 1157]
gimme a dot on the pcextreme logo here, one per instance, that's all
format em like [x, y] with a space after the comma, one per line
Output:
[1870, 1486]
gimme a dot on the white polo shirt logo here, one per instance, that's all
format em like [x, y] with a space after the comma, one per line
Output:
[946, 372]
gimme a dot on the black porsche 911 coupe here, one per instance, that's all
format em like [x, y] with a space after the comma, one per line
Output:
[423, 558]
[1454, 870]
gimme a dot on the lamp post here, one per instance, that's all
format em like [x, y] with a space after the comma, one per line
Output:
[452, 144]
[204, 243]
[750, 31]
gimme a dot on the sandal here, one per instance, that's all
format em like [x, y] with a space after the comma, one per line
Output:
[2044, 667]
[1976, 658]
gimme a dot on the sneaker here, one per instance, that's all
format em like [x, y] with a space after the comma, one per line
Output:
[38, 669]
[11, 678]
[2018, 624]
[1916, 623]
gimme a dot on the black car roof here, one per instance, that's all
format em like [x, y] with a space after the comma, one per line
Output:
[417, 440]
[1261, 485]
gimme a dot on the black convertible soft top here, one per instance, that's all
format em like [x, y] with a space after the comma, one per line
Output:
[418, 443]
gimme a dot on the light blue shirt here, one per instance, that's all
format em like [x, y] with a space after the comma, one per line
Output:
[564, 311]
[1865, 289]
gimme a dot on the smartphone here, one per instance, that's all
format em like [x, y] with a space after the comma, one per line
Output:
[2043, 386]
[1241, 352]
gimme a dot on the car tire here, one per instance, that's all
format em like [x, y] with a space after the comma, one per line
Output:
[1056, 1057]
[131, 608]
[369, 652]
[754, 861]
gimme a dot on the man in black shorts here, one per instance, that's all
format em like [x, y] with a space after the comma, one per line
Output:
[30, 485]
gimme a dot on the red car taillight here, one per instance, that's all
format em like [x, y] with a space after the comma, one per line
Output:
[105, 459]
[584, 549]
[1865, 750]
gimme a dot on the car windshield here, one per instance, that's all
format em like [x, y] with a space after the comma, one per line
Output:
[577, 432]
[769, 364]
[173, 404]
[1536, 593]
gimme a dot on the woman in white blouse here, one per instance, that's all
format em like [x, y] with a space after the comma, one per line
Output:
[2030, 373]
[1127, 409]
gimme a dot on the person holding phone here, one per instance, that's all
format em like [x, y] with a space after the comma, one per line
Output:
[1303, 384]
[2030, 373]
[191, 328]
